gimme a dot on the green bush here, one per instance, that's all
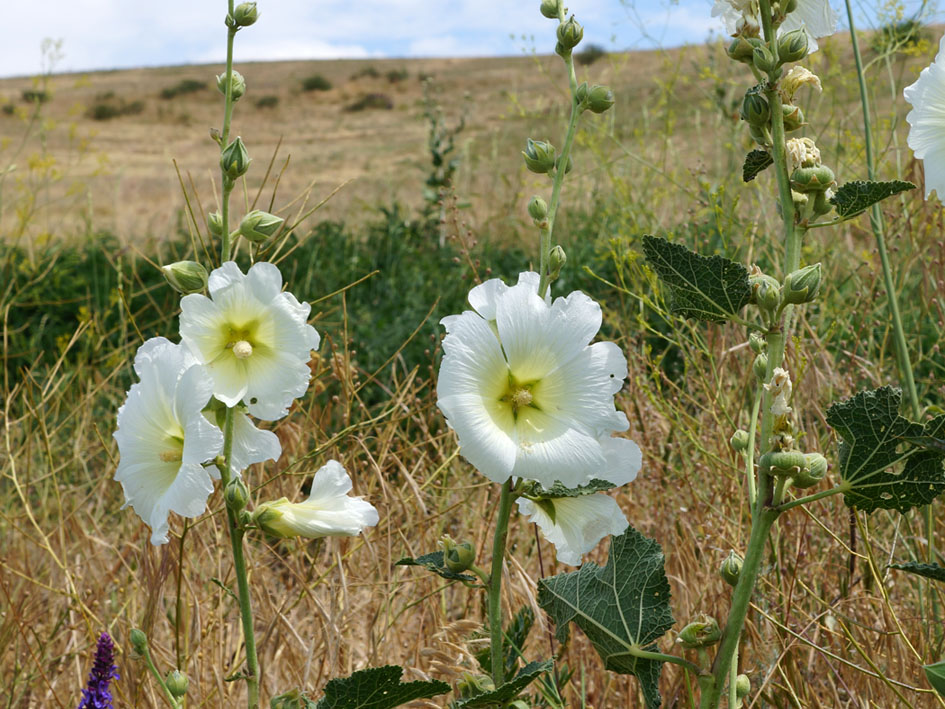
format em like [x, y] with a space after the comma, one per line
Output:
[366, 72]
[590, 54]
[110, 108]
[267, 101]
[315, 82]
[371, 101]
[396, 75]
[35, 96]
[184, 86]
[896, 36]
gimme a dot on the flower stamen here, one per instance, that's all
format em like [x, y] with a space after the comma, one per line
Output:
[242, 349]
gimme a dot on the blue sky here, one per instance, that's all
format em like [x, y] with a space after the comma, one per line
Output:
[108, 34]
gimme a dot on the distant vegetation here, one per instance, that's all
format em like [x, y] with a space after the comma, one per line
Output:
[590, 54]
[267, 101]
[371, 101]
[366, 72]
[35, 96]
[396, 75]
[184, 86]
[108, 106]
[315, 82]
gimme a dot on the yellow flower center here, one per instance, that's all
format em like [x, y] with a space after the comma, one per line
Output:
[518, 396]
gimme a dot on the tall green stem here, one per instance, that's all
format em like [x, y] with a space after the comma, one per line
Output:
[227, 185]
[496, 635]
[239, 566]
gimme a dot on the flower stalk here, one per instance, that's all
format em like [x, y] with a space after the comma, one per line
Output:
[496, 634]
[227, 182]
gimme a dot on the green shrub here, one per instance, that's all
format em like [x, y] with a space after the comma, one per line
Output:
[896, 36]
[590, 54]
[9, 109]
[267, 101]
[109, 108]
[184, 86]
[315, 82]
[371, 101]
[35, 96]
[366, 72]
[396, 75]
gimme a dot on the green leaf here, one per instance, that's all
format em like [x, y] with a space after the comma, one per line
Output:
[935, 674]
[859, 195]
[877, 439]
[509, 690]
[434, 562]
[929, 571]
[516, 633]
[559, 490]
[377, 688]
[706, 288]
[621, 607]
[755, 162]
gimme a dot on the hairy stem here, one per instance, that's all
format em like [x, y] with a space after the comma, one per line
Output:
[225, 135]
[496, 635]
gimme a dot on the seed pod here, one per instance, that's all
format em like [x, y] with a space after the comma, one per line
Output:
[731, 568]
[813, 473]
[783, 463]
[177, 683]
[739, 440]
[812, 179]
[702, 632]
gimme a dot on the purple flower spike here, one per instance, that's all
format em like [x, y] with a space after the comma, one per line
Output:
[97, 696]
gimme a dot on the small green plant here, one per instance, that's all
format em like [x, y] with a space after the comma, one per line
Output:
[366, 72]
[182, 87]
[109, 108]
[395, 76]
[316, 82]
[35, 96]
[371, 101]
[267, 101]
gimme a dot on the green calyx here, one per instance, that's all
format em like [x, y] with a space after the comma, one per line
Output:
[539, 156]
[812, 179]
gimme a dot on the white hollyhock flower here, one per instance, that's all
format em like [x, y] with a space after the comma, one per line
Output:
[526, 393]
[252, 337]
[328, 512]
[163, 437]
[575, 524]
[927, 122]
[816, 17]
[251, 444]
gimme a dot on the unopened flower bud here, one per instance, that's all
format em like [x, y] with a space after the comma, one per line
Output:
[702, 632]
[215, 223]
[177, 683]
[755, 110]
[539, 156]
[458, 556]
[812, 179]
[186, 276]
[257, 226]
[731, 568]
[580, 94]
[600, 98]
[739, 440]
[742, 49]
[550, 8]
[236, 494]
[822, 203]
[139, 641]
[570, 33]
[756, 341]
[803, 285]
[760, 366]
[787, 464]
[245, 14]
[742, 686]
[765, 291]
[556, 260]
[760, 135]
[237, 85]
[813, 472]
[763, 59]
[792, 46]
[793, 117]
[788, 6]
[537, 208]
[470, 685]
[568, 167]
[235, 159]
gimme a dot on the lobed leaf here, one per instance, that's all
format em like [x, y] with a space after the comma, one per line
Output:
[500, 696]
[621, 607]
[434, 562]
[756, 162]
[377, 688]
[875, 439]
[929, 571]
[559, 490]
[711, 288]
[859, 195]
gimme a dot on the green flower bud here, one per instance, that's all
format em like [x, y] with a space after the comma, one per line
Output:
[788, 6]
[139, 641]
[793, 117]
[756, 341]
[556, 260]
[812, 179]
[800, 200]
[458, 557]
[236, 494]
[600, 98]
[215, 223]
[237, 85]
[763, 59]
[755, 110]
[822, 204]
[702, 632]
[570, 33]
[760, 135]
[739, 440]
[731, 568]
[783, 463]
[245, 14]
[177, 683]
[742, 49]
[580, 94]
[765, 291]
[760, 366]
[742, 686]
[550, 8]
[257, 226]
[537, 208]
[235, 159]
[470, 685]
[803, 285]
[539, 156]
[562, 51]
[813, 473]
[186, 276]
[569, 166]
[792, 46]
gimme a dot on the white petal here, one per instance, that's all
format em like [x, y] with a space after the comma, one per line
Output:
[484, 437]
[330, 481]
[202, 327]
[221, 278]
[483, 297]
[624, 460]
[264, 281]
[251, 445]
[274, 381]
[550, 450]
[579, 523]
[816, 17]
